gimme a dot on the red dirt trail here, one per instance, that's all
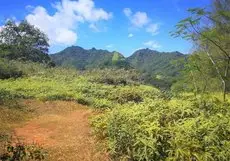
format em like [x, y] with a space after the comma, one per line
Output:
[63, 129]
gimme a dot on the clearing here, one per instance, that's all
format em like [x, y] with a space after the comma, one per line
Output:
[63, 129]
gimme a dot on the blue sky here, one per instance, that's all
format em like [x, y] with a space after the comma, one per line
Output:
[115, 25]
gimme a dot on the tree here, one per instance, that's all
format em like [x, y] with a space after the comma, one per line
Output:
[23, 42]
[198, 74]
[210, 31]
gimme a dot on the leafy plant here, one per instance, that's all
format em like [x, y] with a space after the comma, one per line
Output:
[22, 152]
[167, 130]
[8, 70]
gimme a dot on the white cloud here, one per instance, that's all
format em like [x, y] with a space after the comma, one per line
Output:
[138, 19]
[1, 27]
[109, 46]
[141, 20]
[127, 12]
[153, 29]
[61, 26]
[130, 35]
[152, 44]
[65, 36]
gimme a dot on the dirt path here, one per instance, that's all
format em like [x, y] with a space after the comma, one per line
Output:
[63, 129]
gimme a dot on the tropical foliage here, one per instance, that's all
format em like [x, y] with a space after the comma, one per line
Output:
[155, 68]
[23, 42]
[136, 121]
[211, 59]
[8, 70]
[167, 130]
[68, 84]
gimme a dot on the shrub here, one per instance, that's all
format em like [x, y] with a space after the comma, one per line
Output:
[114, 76]
[63, 96]
[167, 130]
[22, 152]
[9, 99]
[8, 70]
[102, 103]
[126, 95]
[83, 100]
[135, 94]
[66, 84]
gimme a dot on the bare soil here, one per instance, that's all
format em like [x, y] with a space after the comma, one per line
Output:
[63, 129]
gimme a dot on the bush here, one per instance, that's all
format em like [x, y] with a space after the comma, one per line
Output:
[114, 76]
[45, 83]
[63, 96]
[83, 100]
[8, 99]
[102, 103]
[126, 95]
[22, 152]
[8, 70]
[135, 94]
[167, 130]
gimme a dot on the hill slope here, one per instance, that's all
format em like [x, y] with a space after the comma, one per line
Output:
[157, 67]
[154, 62]
[80, 58]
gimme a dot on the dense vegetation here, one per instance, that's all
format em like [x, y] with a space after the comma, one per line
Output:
[23, 42]
[8, 70]
[88, 88]
[136, 121]
[167, 130]
[182, 127]
[208, 66]
[81, 59]
[156, 68]
[140, 122]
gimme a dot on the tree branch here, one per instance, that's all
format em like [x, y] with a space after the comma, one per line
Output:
[215, 43]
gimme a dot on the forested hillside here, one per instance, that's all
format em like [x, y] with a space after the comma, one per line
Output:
[156, 68]
[81, 59]
[154, 62]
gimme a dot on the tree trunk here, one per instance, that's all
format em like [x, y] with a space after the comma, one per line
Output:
[205, 85]
[219, 74]
[225, 76]
[194, 83]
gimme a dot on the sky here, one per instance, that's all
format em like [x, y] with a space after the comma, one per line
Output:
[115, 25]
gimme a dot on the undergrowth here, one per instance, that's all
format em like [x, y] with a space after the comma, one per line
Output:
[167, 130]
[21, 152]
[138, 122]
[65, 84]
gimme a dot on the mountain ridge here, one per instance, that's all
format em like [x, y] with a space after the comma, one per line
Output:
[93, 48]
[155, 66]
[80, 58]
